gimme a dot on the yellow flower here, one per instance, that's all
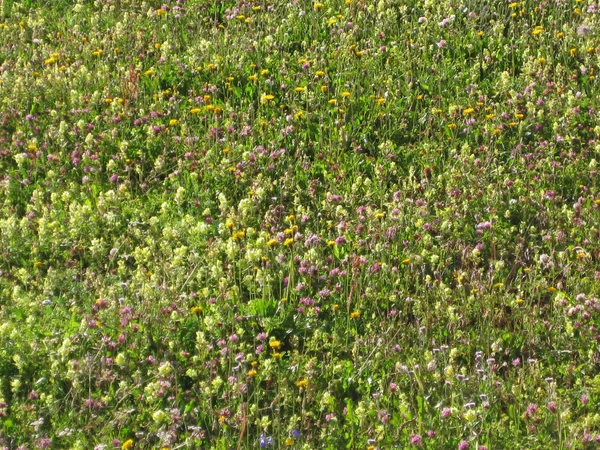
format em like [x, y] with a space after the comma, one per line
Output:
[196, 310]
[289, 442]
[302, 382]
[238, 235]
[318, 6]
[468, 111]
[272, 242]
[345, 94]
[301, 89]
[173, 122]
[265, 98]
[288, 242]
[319, 74]
[195, 110]
[253, 78]
[354, 315]
[251, 373]
[127, 444]
[275, 344]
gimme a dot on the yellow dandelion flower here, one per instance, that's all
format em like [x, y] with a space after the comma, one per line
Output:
[300, 89]
[238, 235]
[196, 310]
[468, 111]
[319, 74]
[288, 242]
[195, 110]
[345, 94]
[127, 444]
[251, 373]
[302, 382]
[354, 315]
[275, 344]
[173, 122]
[272, 242]
[318, 6]
[253, 78]
[266, 98]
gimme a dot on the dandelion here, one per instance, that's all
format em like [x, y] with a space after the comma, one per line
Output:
[127, 444]
[266, 98]
[354, 315]
[302, 382]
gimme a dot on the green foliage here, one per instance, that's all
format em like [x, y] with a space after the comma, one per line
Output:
[299, 225]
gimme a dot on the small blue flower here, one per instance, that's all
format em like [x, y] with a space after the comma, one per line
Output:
[265, 441]
[296, 434]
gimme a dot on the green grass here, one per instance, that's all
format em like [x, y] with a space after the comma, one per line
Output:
[299, 225]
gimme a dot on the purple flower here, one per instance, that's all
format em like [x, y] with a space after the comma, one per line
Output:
[446, 412]
[416, 440]
[265, 441]
[463, 445]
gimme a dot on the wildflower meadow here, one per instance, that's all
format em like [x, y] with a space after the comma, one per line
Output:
[335, 224]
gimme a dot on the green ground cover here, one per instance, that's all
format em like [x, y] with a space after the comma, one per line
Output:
[254, 224]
